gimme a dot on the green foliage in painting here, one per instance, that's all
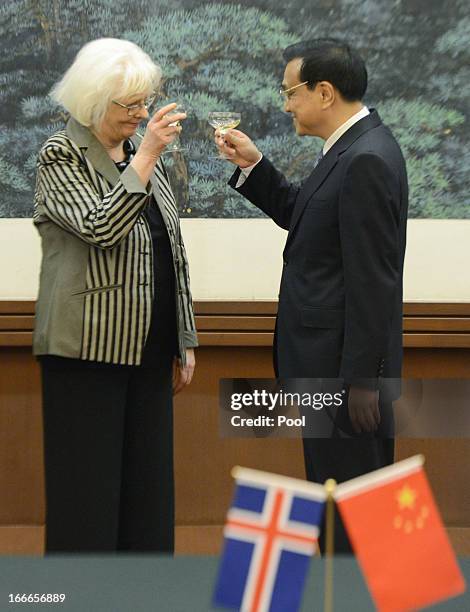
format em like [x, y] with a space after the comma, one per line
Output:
[455, 41]
[421, 129]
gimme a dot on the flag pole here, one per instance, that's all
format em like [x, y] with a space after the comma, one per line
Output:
[330, 486]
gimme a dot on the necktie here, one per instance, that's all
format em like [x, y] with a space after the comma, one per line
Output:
[318, 159]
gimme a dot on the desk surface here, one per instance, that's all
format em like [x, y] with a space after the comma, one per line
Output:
[181, 584]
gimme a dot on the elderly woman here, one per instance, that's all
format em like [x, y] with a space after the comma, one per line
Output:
[114, 326]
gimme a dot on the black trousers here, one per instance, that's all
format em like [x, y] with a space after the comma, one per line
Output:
[343, 458]
[343, 455]
[108, 445]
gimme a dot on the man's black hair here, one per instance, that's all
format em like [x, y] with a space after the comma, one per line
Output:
[332, 60]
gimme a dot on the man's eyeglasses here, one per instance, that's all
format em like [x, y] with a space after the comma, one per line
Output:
[134, 108]
[286, 94]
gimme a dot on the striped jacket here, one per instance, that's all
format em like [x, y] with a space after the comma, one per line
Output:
[96, 284]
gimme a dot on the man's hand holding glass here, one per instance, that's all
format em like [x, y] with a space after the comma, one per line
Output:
[237, 148]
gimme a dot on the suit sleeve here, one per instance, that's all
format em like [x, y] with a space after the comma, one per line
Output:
[269, 191]
[190, 334]
[369, 209]
[69, 198]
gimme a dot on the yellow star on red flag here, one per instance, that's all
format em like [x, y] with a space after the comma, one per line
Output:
[406, 497]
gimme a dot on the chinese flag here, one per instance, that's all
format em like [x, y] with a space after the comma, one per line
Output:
[398, 536]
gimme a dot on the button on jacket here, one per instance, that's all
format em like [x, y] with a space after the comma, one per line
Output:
[97, 284]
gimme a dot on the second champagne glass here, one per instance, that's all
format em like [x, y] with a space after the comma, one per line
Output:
[223, 121]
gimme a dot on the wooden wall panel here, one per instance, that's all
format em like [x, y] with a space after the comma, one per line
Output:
[21, 460]
[236, 340]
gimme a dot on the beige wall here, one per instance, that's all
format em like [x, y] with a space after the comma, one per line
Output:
[240, 259]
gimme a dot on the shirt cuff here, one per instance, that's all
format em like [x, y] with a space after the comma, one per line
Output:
[190, 339]
[245, 173]
[132, 183]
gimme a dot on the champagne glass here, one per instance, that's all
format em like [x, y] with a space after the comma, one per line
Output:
[223, 121]
[175, 144]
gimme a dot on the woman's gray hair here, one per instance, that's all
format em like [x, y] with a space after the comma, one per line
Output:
[104, 70]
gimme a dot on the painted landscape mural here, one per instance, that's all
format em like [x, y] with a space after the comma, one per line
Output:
[227, 56]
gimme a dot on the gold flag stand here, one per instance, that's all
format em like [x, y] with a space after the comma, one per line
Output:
[330, 486]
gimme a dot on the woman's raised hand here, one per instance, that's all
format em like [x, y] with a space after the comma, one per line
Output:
[161, 130]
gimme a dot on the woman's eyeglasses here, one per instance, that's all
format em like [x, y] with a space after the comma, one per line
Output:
[134, 108]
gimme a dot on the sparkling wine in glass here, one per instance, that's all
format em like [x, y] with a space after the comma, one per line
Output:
[223, 121]
[175, 144]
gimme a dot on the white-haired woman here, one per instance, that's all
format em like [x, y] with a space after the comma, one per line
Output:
[114, 329]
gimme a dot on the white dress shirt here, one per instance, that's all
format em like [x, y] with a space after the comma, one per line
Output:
[329, 142]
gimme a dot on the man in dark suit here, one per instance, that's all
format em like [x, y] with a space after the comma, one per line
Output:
[340, 300]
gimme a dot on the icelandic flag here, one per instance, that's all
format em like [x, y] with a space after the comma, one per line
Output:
[271, 532]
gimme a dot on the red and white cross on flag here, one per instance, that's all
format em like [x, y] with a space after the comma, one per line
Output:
[270, 535]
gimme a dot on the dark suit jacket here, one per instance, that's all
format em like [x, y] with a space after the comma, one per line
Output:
[340, 300]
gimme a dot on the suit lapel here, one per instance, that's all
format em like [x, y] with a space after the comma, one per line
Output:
[316, 178]
[321, 172]
[94, 150]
